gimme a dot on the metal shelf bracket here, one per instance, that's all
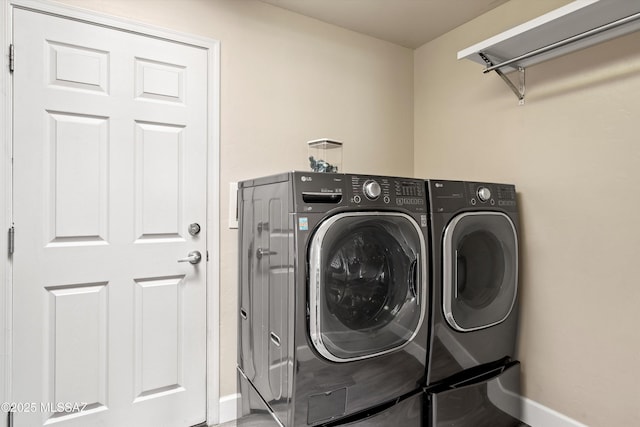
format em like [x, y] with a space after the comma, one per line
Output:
[579, 24]
[517, 90]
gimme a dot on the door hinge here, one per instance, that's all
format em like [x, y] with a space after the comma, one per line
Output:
[11, 58]
[11, 240]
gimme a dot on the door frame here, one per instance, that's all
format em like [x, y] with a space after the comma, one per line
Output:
[212, 47]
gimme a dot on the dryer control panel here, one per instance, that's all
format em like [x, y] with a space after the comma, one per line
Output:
[451, 196]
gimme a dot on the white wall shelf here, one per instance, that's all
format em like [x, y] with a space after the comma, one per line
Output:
[578, 25]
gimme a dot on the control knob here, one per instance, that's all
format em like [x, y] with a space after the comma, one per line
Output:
[371, 189]
[484, 194]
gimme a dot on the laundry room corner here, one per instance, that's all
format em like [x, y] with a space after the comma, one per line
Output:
[572, 151]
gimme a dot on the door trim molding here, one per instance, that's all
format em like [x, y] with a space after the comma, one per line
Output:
[213, 180]
[5, 209]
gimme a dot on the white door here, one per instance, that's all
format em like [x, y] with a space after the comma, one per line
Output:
[110, 149]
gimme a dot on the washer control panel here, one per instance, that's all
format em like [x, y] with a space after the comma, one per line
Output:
[380, 191]
[319, 192]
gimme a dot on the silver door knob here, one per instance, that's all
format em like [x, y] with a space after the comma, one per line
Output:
[194, 228]
[193, 257]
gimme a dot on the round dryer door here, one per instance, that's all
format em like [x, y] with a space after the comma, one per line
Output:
[480, 270]
[367, 284]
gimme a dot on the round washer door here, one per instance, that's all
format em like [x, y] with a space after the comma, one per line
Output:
[367, 284]
[480, 270]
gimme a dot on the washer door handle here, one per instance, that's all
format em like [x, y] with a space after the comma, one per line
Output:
[413, 280]
[455, 275]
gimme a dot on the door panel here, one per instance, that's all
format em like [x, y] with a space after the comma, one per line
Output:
[159, 169]
[78, 67]
[110, 134]
[77, 340]
[77, 192]
[158, 313]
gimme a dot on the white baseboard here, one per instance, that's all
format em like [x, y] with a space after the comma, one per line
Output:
[538, 415]
[228, 408]
[533, 413]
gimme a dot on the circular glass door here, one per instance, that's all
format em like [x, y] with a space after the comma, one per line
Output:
[480, 270]
[367, 284]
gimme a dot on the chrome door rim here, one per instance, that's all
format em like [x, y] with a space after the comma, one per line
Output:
[447, 276]
[315, 255]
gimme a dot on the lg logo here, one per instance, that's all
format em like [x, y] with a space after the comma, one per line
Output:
[306, 179]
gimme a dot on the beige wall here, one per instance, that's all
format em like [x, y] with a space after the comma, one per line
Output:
[573, 152]
[287, 79]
